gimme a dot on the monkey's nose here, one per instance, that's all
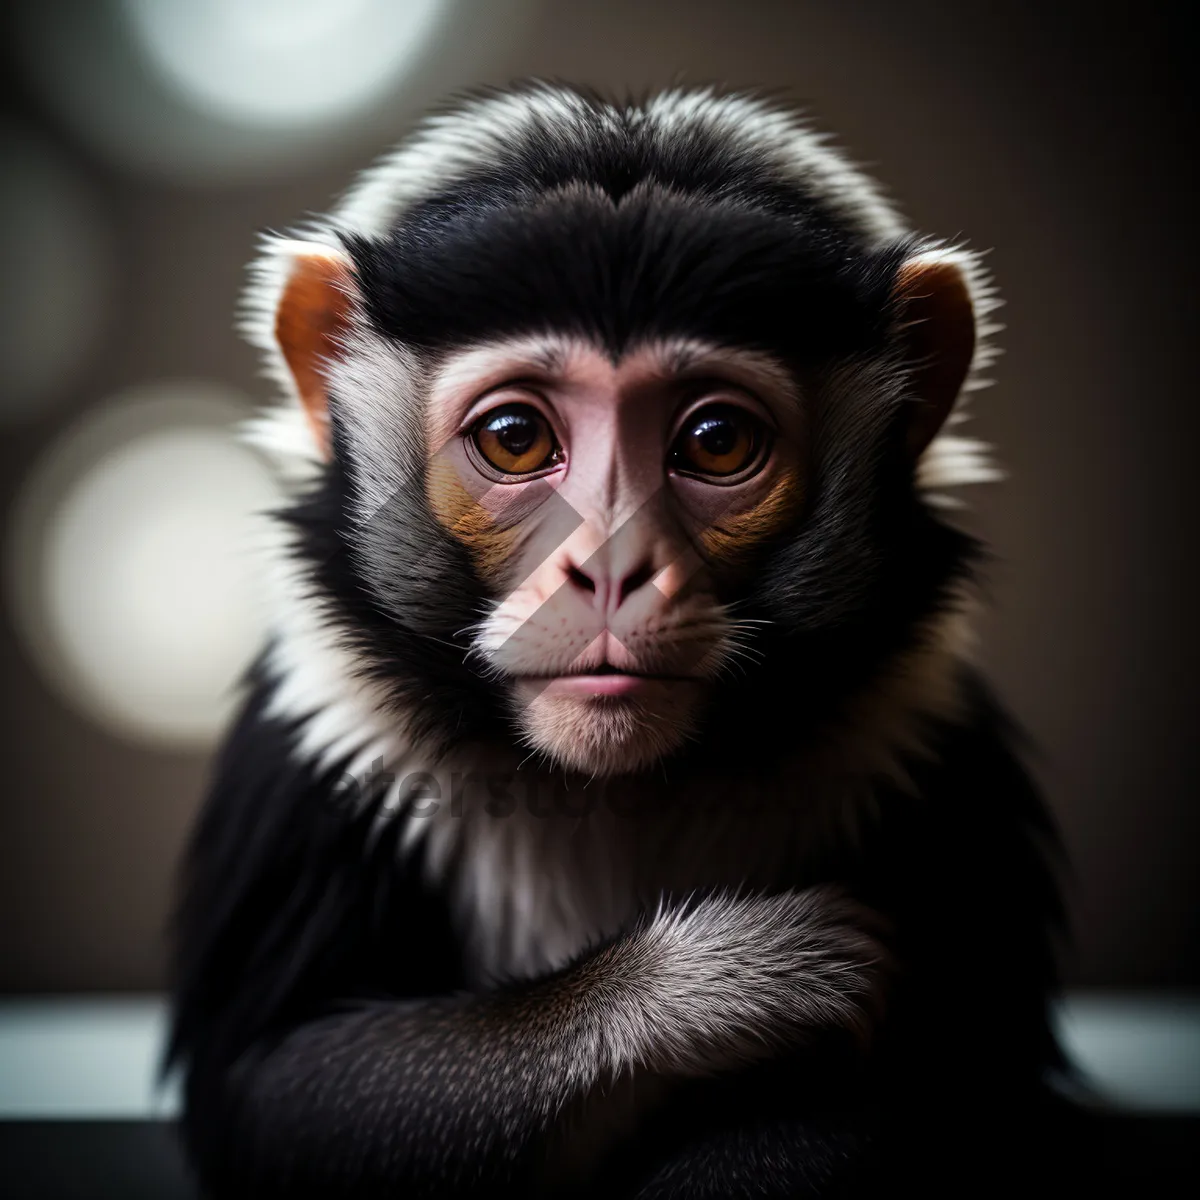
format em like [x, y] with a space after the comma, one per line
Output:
[607, 583]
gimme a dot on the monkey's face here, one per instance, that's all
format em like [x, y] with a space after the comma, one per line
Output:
[613, 509]
[584, 536]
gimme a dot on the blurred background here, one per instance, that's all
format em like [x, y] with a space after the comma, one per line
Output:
[143, 143]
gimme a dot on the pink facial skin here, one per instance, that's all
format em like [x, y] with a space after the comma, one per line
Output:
[606, 603]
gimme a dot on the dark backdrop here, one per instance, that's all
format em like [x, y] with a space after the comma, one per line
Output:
[1060, 135]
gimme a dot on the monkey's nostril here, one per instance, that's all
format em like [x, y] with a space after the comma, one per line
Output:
[635, 580]
[581, 580]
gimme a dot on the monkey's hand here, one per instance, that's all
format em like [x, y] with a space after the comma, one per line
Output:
[728, 979]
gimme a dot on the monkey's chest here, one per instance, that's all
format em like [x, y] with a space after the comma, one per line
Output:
[530, 896]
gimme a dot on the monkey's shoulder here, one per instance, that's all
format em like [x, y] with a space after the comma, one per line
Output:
[292, 898]
[965, 864]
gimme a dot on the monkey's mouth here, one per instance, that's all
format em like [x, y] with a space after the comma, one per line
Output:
[604, 680]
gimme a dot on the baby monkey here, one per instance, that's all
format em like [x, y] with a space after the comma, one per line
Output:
[615, 804]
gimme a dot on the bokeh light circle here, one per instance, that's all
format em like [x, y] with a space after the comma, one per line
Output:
[132, 563]
[212, 92]
[288, 62]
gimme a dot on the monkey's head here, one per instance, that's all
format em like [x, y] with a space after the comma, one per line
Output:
[617, 416]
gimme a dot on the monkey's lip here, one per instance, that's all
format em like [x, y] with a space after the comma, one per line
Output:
[604, 681]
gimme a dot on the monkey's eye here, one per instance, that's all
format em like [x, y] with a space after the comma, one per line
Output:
[516, 440]
[719, 441]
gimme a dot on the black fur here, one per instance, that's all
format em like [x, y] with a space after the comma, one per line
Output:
[607, 229]
[306, 935]
[329, 1046]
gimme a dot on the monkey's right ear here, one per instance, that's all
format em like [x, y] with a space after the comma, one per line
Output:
[938, 321]
[311, 320]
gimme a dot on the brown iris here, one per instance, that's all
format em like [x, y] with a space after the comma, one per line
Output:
[718, 441]
[516, 440]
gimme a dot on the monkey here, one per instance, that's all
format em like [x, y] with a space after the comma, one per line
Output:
[616, 806]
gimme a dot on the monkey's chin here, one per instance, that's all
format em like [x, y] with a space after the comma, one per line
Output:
[608, 734]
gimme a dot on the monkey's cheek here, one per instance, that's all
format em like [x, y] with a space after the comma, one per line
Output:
[608, 734]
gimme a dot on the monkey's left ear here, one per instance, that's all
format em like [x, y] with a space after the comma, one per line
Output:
[937, 323]
[311, 320]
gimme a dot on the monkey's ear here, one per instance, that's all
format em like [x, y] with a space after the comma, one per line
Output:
[937, 321]
[311, 320]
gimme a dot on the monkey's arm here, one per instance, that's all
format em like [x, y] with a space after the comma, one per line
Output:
[957, 1101]
[445, 1090]
[328, 1049]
